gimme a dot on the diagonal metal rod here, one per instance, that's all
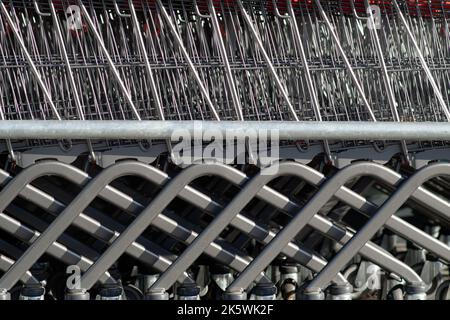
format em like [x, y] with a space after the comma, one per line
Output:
[69, 71]
[266, 57]
[194, 72]
[309, 81]
[300, 220]
[27, 55]
[425, 67]
[62, 221]
[386, 79]
[113, 68]
[223, 53]
[146, 218]
[148, 68]
[57, 249]
[355, 79]
[165, 223]
[6, 263]
[377, 221]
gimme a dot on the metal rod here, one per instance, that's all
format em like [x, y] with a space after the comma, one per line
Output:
[38, 10]
[377, 221]
[424, 64]
[197, 11]
[57, 227]
[191, 65]
[302, 218]
[113, 68]
[344, 57]
[309, 80]
[69, 71]
[148, 68]
[223, 53]
[384, 71]
[163, 222]
[120, 14]
[33, 67]
[147, 216]
[131, 129]
[266, 57]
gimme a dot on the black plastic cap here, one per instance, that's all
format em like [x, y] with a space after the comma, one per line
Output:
[188, 290]
[415, 288]
[111, 291]
[264, 289]
[32, 291]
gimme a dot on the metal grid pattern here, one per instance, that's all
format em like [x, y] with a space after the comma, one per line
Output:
[241, 60]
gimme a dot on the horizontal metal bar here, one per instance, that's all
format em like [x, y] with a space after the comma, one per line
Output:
[130, 129]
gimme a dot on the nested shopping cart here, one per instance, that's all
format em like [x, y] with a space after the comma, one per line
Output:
[94, 96]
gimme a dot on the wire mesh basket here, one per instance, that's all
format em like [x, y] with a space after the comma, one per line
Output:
[245, 64]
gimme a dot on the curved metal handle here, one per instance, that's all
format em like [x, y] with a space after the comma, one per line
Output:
[352, 4]
[117, 9]
[38, 10]
[198, 13]
[277, 12]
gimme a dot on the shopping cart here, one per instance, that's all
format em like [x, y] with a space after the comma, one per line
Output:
[343, 218]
